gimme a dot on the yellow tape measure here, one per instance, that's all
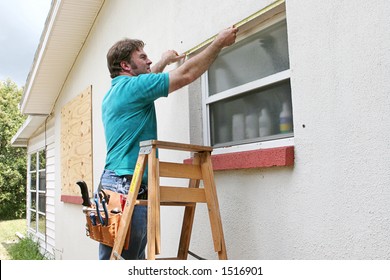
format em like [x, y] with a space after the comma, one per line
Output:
[238, 24]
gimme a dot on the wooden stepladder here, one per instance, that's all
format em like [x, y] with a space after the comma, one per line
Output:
[200, 169]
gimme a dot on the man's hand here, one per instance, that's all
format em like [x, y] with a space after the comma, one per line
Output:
[171, 56]
[198, 64]
[226, 37]
[167, 58]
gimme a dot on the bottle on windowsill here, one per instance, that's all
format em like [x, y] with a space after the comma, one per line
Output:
[238, 127]
[265, 123]
[285, 119]
[251, 126]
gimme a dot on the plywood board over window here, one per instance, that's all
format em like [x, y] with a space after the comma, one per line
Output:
[76, 146]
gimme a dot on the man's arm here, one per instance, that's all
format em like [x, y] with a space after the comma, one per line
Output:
[193, 68]
[167, 58]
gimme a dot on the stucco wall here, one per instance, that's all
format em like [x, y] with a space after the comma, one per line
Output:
[339, 53]
[334, 202]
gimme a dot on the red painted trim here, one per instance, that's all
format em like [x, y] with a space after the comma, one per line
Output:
[281, 156]
[71, 199]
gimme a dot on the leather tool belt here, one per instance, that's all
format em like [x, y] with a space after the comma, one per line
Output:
[104, 217]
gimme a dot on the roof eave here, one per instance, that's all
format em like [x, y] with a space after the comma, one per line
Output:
[66, 29]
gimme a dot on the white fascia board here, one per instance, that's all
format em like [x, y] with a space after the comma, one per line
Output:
[40, 53]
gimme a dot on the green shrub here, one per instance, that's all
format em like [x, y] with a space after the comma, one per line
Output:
[25, 249]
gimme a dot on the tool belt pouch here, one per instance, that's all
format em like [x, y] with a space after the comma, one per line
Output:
[106, 234]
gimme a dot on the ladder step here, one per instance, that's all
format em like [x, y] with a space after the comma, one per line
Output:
[145, 203]
[179, 170]
[175, 146]
[180, 194]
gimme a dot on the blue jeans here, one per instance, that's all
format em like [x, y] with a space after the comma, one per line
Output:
[138, 230]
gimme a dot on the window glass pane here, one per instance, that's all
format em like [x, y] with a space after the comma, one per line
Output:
[33, 181]
[33, 220]
[42, 202]
[255, 57]
[33, 200]
[42, 180]
[42, 159]
[33, 162]
[261, 114]
[42, 224]
[37, 219]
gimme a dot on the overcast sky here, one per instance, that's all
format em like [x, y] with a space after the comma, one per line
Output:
[21, 25]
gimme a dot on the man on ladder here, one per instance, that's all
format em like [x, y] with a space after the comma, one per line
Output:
[129, 117]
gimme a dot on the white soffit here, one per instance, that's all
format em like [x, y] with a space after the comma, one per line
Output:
[24, 133]
[66, 30]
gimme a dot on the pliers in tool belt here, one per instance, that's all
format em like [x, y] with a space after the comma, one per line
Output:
[104, 198]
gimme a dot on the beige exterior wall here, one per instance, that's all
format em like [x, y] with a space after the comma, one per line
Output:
[334, 202]
[45, 137]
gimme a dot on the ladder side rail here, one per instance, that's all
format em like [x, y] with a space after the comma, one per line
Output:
[152, 204]
[188, 217]
[128, 210]
[213, 206]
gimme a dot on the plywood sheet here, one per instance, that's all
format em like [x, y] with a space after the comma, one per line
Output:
[76, 143]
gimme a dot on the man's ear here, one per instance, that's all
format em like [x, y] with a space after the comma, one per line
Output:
[125, 65]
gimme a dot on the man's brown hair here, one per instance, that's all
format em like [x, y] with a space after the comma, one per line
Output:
[121, 51]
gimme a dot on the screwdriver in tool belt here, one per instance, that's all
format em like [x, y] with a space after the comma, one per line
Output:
[92, 216]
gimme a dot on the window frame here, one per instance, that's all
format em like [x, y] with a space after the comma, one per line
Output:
[37, 230]
[285, 75]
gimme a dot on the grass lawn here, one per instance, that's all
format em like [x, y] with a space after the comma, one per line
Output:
[7, 235]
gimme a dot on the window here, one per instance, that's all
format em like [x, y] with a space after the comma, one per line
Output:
[37, 192]
[247, 92]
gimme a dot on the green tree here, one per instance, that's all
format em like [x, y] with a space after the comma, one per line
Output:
[12, 159]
